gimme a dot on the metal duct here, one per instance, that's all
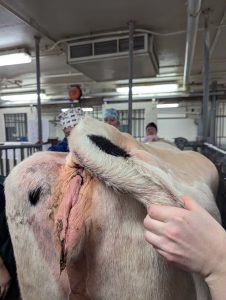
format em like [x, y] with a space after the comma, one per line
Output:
[192, 29]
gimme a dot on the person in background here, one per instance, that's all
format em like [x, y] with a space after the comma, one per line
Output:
[111, 116]
[192, 239]
[9, 289]
[151, 133]
[68, 120]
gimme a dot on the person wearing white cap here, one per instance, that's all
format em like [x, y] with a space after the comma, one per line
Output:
[68, 120]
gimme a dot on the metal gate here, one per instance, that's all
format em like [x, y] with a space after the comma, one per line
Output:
[221, 125]
[137, 122]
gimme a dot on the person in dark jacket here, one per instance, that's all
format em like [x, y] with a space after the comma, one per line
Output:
[9, 289]
[68, 120]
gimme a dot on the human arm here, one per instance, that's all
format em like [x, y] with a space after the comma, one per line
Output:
[62, 146]
[191, 239]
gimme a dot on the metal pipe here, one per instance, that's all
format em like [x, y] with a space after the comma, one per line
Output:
[215, 148]
[112, 33]
[222, 132]
[192, 29]
[213, 115]
[216, 37]
[39, 109]
[130, 75]
[120, 32]
[205, 121]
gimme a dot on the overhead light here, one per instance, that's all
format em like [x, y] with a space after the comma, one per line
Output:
[149, 89]
[167, 105]
[85, 109]
[14, 58]
[23, 97]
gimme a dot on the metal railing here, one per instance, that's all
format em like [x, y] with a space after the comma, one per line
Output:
[184, 144]
[218, 157]
[11, 155]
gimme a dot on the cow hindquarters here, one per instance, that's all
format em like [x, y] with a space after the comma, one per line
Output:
[121, 264]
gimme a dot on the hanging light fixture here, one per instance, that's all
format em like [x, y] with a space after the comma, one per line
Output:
[167, 105]
[14, 57]
[23, 97]
[149, 89]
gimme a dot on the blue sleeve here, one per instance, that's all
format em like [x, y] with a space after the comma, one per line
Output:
[60, 147]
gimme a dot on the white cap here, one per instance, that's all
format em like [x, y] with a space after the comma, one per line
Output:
[71, 117]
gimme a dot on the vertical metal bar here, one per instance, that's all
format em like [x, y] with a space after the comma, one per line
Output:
[213, 114]
[14, 156]
[218, 124]
[6, 125]
[206, 80]
[22, 153]
[1, 163]
[130, 71]
[193, 12]
[217, 34]
[222, 133]
[37, 51]
[7, 162]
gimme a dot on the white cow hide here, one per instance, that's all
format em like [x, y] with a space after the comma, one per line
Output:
[77, 222]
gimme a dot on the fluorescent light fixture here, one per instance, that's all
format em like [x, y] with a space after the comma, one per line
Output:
[23, 97]
[149, 89]
[14, 58]
[167, 105]
[85, 109]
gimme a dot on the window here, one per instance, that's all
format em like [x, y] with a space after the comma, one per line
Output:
[137, 122]
[15, 127]
[96, 113]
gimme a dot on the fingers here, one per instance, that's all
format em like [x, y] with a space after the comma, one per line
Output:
[165, 213]
[154, 239]
[190, 204]
[153, 225]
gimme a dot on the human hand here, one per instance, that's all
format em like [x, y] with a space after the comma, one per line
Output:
[4, 281]
[188, 237]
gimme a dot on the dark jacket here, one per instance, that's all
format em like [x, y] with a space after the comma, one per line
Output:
[60, 147]
[6, 250]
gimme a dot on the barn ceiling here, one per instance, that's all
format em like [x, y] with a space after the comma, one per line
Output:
[61, 22]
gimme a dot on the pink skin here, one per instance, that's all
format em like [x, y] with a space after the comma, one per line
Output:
[67, 131]
[42, 232]
[68, 201]
[151, 131]
[190, 238]
[5, 280]
[112, 121]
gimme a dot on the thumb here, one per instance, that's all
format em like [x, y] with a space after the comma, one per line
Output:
[190, 204]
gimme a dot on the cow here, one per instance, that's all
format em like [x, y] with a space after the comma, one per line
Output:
[76, 220]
